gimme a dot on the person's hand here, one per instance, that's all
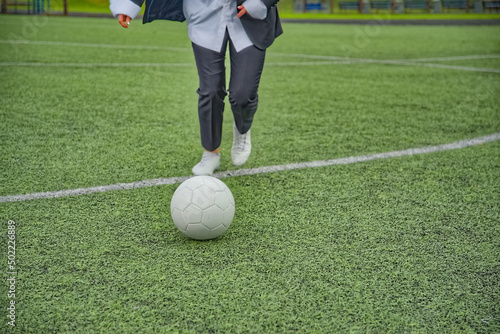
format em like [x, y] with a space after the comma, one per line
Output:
[124, 20]
[242, 11]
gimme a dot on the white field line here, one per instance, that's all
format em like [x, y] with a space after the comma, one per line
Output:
[470, 57]
[254, 171]
[295, 55]
[333, 60]
[452, 58]
[315, 63]
[318, 63]
[388, 62]
[38, 64]
[452, 67]
[405, 62]
[95, 45]
[422, 64]
[42, 64]
[308, 56]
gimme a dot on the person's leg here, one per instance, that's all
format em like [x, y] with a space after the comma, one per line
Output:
[211, 94]
[246, 70]
[211, 91]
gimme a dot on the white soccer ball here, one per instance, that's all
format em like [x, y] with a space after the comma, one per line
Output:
[202, 207]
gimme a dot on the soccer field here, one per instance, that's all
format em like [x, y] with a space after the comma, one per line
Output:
[370, 203]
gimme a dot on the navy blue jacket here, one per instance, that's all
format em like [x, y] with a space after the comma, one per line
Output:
[161, 10]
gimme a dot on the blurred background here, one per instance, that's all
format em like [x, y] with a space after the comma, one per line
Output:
[290, 8]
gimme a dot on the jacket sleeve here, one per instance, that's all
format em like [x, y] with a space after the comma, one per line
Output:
[256, 9]
[130, 8]
[267, 3]
[270, 3]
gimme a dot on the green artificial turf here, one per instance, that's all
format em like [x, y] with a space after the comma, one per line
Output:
[399, 245]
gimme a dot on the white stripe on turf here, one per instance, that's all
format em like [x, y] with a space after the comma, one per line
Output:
[447, 58]
[94, 45]
[294, 55]
[319, 63]
[40, 64]
[253, 171]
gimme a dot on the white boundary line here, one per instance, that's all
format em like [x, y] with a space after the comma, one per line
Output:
[328, 60]
[42, 64]
[405, 62]
[442, 66]
[318, 63]
[470, 57]
[388, 62]
[451, 67]
[94, 45]
[448, 58]
[294, 55]
[340, 61]
[253, 171]
[37, 64]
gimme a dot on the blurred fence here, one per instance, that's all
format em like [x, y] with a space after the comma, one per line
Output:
[34, 7]
[395, 6]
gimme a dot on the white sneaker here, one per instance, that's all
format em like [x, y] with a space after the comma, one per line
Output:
[208, 164]
[242, 147]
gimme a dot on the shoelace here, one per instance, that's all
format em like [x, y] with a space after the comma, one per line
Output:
[242, 141]
[204, 159]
